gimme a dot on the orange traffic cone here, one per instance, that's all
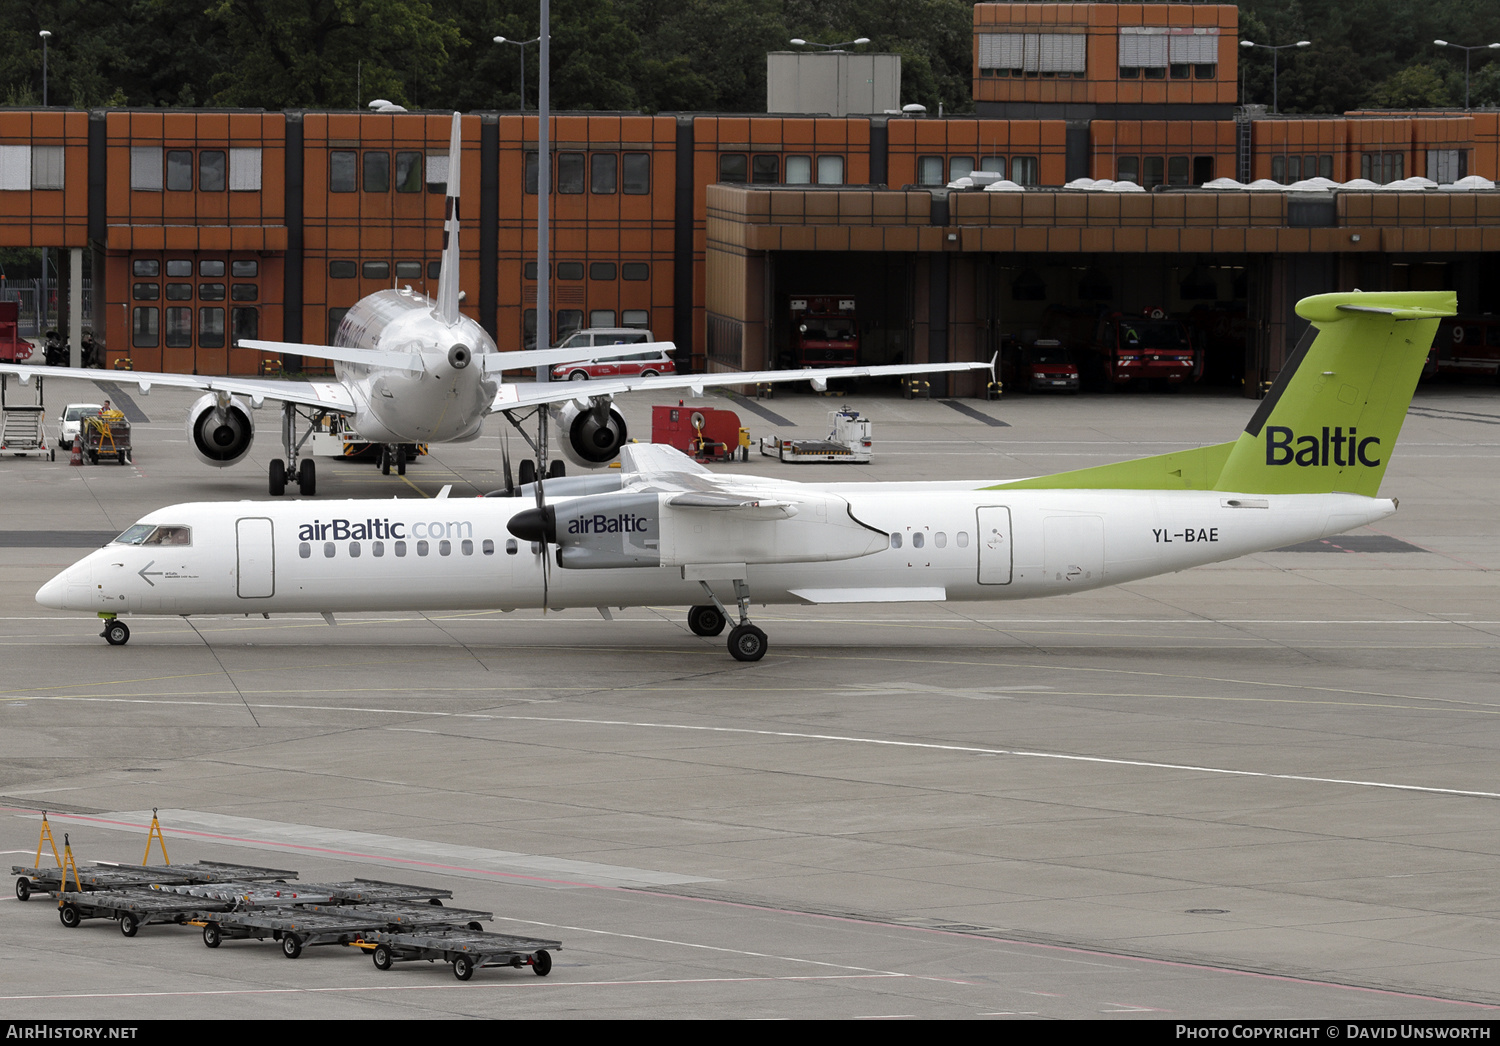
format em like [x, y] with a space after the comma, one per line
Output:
[77, 458]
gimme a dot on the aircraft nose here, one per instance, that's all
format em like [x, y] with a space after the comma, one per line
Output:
[54, 594]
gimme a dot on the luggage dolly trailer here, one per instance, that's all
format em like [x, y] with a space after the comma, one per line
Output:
[266, 895]
[119, 876]
[133, 908]
[848, 441]
[106, 435]
[304, 926]
[467, 950]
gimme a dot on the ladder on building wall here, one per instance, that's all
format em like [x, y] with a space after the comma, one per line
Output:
[1242, 127]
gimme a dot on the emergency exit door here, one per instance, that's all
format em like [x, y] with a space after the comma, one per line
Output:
[255, 558]
[994, 546]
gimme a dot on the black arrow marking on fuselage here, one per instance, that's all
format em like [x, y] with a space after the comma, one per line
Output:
[155, 573]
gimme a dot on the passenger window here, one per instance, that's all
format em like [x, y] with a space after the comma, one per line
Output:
[510, 546]
[400, 549]
[421, 548]
[377, 549]
[940, 539]
[918, 540]
[467, 547]
[328, 549]
[445, 548]
[895, 541]
[489, 547]
[304, 550]
[963, 539]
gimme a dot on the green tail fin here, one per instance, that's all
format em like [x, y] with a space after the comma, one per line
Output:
[1331, 419]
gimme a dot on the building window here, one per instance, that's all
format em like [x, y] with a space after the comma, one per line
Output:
[531, 174]
[437, 173]
[1177, 170]
[434, 270]
[244, 323]
[603, 173]
[179, 292]
[244, 170]
[930, 170]
[732, 168]
[960, 167]
[211, 327]
[211, 292]
[179, 328]
[993, 163]
[1195, 49]
[145, 291]
[602, 318]
[243, 292]
[1382, 168]
[830, 170]
[1152, 172]
[179, 170]
[213, 169]
[341, 170]
[342, 269]
[569, 173]
[143, 328]
[1023, 170]
[15, 168]
[145, 169]
[635, 271]
[568, 321]
[1128, 169]
[375, 270]
[528, 329]
[211, 267]
[601, 270]
[1143, 51]
[570, 270]
[799, 170]
[1446, 166]
[335, 321]
[243, 269]
[146, 267]
[408, 270]
[636, 318]
[408, 172]
[46, 167]
[179, 266]
[377, 172]
[765, 169]
[637, 173]
[1050, 55]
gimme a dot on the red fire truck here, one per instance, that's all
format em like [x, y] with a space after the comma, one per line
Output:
[1151, 346]
[1467, 345]
[825, 331]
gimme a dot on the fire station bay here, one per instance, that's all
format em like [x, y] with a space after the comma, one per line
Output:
[1108, 171]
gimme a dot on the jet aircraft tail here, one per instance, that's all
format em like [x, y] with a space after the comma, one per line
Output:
[446, 303]
[1329, 422]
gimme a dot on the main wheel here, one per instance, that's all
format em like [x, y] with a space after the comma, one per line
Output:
[278, 477]
[129, 924]
[117, 633]
[557, 469]
[383, 958]
[401, 460]
[291, 945]
[307, 478]
[211, 935]
[477, 927]
[706, 620]
[23, 889]
[526, 472]
[463, 967]
[747, 643]
[541, 963]
[385, 460]
[69, 915]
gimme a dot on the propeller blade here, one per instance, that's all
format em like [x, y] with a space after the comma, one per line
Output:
[541, 502]
[510, 483]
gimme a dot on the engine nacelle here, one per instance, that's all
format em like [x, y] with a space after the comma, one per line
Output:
[586, 442]
[220, 436]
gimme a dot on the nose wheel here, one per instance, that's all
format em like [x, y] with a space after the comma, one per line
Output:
[116, 632]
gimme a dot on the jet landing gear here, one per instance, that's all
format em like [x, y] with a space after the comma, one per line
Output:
[746, 642]
[305, 473]
[116, 632]
[393, 455]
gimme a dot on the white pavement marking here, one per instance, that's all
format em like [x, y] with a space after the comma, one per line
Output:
[448, 858]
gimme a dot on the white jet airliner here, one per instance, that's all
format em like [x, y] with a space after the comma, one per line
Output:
[666, 531]
[412, 369]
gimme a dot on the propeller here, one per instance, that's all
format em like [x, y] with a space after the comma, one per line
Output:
[510, 483]
[541, 503]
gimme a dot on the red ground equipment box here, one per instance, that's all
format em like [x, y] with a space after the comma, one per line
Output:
[13, 348]
[705, 433]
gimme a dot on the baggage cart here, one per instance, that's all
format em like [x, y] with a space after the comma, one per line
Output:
[106, 435]
[466, 950]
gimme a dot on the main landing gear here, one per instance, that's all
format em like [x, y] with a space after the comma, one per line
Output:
[746, 642]
[393, 455]
[305, 474]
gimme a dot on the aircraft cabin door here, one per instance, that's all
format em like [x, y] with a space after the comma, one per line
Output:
[255, 560]
[994, 546]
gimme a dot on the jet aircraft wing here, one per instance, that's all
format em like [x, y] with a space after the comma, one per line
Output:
[525, 395]
[324, 395]
[416, 362]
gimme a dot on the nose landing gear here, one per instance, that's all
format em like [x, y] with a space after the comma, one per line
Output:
[116, 632]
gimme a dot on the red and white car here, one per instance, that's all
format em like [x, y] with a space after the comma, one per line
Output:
[646, 363]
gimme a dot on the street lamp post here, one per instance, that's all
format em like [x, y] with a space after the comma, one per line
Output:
[830, 47]
[1275, 50]
[45, 35]
[1467, 50]
[522, 45]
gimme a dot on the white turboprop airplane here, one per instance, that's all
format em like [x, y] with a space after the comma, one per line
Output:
[411, 369]
[665, 530]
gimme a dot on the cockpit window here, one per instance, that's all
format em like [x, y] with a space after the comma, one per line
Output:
[150, 534]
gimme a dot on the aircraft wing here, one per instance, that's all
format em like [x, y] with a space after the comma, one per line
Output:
[530, 394]
[492, 362]
[324, 395]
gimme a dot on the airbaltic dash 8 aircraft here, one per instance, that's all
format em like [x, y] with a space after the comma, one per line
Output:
[412, 369]
[666, 531]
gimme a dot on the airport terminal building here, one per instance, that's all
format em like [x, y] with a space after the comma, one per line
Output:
[1108, 165]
